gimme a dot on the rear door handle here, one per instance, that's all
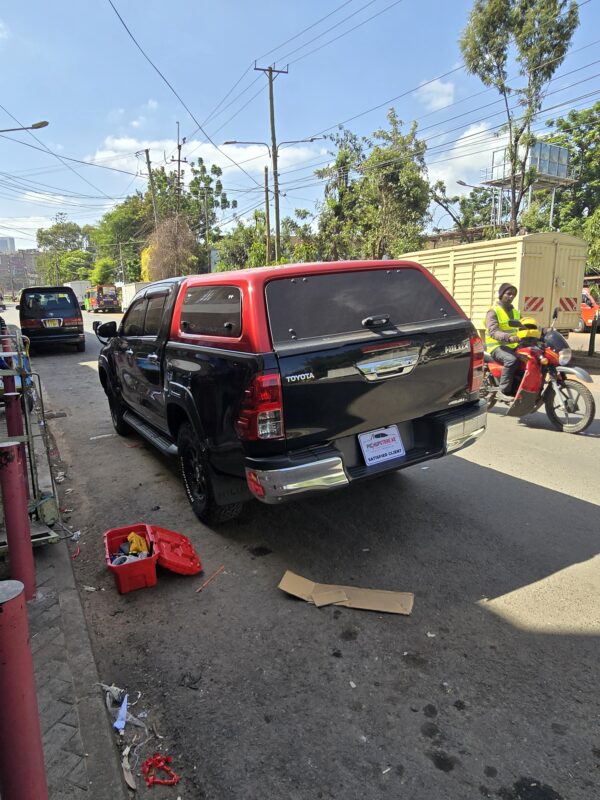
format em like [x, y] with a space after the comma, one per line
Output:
[129, 351]
[152, 357]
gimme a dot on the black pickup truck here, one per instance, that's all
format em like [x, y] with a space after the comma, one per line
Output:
[278, 382]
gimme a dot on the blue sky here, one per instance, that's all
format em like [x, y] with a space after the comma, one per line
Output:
[73, 63]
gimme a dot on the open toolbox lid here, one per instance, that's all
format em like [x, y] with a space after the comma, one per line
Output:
[174, 550]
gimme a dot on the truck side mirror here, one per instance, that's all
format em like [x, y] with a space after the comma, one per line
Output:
[105, 330]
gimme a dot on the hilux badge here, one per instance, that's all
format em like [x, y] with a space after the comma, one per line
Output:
[456, 348]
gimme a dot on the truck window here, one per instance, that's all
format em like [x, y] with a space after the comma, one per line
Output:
[212, 311]
[336, 304]
[154, 313]
[133, 322]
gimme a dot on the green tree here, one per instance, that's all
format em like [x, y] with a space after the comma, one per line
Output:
[579, 131]
[591, 232]
[204, 198]
[123, 232]
[60, 237]
[75, 265]
[104, 271]
[394, 192]
[538, 33]
[55, 243]
[339, 215]
[301, 240]
[234, 249]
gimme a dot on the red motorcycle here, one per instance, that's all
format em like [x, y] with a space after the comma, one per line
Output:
[541, 379]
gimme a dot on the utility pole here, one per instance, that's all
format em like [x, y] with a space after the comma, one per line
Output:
[152, 189]
[121, 263]
[179, 160]
[267, 215]
[270, 72]
[206, 229]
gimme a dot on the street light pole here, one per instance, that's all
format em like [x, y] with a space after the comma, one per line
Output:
[274, 152]
[33, 127]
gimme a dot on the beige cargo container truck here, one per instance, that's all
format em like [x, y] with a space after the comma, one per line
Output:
[546, 268]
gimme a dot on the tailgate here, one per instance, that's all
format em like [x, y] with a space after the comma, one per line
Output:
[356, 387]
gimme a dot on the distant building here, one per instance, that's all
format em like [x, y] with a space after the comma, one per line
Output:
[18, 270]
[7, 244]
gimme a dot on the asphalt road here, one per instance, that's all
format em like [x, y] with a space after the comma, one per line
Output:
[489, 688]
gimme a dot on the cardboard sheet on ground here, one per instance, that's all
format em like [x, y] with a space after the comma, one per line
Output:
[323, 594]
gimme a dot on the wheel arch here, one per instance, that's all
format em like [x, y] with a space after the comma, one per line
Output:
[177, 415]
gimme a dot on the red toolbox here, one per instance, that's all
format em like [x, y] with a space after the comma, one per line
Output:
[171, 550]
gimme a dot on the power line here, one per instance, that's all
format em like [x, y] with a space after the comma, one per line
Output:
[177, 95]
[472, 111]
[314, 25]
[439, 77]
[47, 149]
[345, 33]
[68, 158]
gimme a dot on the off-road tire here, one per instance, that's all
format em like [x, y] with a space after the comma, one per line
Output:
[582, 395]
[196, 479]
[117, 410]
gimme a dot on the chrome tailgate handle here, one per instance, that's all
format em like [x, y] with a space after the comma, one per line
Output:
[388, 367]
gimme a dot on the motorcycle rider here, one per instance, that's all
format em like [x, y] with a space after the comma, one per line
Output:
[501, 340]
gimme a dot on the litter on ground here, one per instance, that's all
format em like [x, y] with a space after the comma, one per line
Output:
[322, 594]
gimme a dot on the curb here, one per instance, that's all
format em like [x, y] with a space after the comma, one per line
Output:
[104, 775]
[589, 363]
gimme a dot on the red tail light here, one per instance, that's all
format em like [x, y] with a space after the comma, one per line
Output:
[476, 366]
[261, 409]
[73, 321]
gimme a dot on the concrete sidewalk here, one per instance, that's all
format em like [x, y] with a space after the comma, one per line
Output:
[80, 755]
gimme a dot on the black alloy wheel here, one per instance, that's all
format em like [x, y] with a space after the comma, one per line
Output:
[196, 479]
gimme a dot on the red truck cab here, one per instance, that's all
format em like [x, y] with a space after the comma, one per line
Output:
[589, 310]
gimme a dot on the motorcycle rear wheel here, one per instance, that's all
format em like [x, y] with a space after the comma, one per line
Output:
[581, 408]
[487, 390]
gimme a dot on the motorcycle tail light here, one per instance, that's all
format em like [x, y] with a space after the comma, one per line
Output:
[564, 356]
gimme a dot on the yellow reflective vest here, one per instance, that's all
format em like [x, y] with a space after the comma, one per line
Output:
[503, 324]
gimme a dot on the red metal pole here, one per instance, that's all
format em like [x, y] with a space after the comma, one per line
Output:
[16, 517]
[22, 775]
[12, 401]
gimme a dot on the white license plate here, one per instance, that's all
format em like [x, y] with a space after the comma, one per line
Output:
[52, 323]
[381, 445]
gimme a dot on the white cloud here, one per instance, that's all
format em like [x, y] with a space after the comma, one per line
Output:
[467, 159]
[138, 122]
[4, 32]
[436, 94]
[119, 152]
[151, 105]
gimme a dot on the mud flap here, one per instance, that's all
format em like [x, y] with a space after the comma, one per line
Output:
[525, 403]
